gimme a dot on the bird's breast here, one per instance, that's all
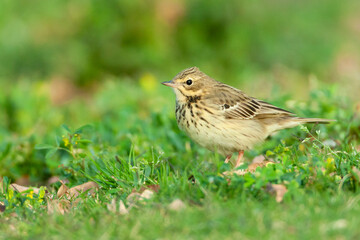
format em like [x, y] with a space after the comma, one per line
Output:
[209, 128]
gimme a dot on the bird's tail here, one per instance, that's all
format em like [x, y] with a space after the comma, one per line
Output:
[313, 120]
[289, 122]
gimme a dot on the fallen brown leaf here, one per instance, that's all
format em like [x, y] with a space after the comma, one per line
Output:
[58, 206]
[153, 187]
[88, 186]
[62, 190]
[176, 205]
[19, 188]
[63, 205]
[258, 159]
[251, 168]
[356, 173]
[77, 190]
[133, 198]
[136, 197]
[147, 194]
[112, 206]
[122, 208]
[278, 190]
[2, 207]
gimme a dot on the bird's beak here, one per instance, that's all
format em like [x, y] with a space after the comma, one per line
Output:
[170, 84]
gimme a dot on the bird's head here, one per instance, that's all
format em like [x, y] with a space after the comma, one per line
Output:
[189, 83]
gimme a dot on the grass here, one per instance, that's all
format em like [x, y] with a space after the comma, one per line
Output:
[307, 216]
[62, 114]
[125, 137]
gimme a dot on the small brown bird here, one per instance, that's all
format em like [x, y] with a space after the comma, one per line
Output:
[223, 118]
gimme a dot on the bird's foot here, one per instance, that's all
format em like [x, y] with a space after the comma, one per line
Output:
[239, 159]
[227, 159]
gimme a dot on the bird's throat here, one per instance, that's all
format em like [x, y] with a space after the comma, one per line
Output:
[193, 99]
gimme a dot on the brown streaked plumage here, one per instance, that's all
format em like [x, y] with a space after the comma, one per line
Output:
[223, 118]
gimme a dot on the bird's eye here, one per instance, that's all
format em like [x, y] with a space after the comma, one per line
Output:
[189, 82]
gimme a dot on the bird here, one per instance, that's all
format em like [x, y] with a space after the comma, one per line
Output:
[222, 118]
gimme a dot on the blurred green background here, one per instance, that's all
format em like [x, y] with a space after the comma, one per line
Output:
[86, 41]
[101, 62]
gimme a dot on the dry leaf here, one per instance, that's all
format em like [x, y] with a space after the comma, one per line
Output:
[136, 197]
[251, 168]
[64, 205]
[258, 159]
[19, 188]
[62, 190]
[77, 190]
[2, 207]
[239, 172]
[133, 200]
[112, 206]
[278, 190]
[153, 187]
[58, 206]
[176, 205]
[147, 194]
[133, 197]
[122, 208]
[88, 186]
[357, 172]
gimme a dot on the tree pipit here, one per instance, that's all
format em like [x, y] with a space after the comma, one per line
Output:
[224, 119]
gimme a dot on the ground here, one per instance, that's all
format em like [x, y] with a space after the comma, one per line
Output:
[124, 138]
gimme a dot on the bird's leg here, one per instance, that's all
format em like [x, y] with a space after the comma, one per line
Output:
[238, 160]
[227, 159]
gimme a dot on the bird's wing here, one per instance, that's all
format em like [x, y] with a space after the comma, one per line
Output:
[234, 104]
